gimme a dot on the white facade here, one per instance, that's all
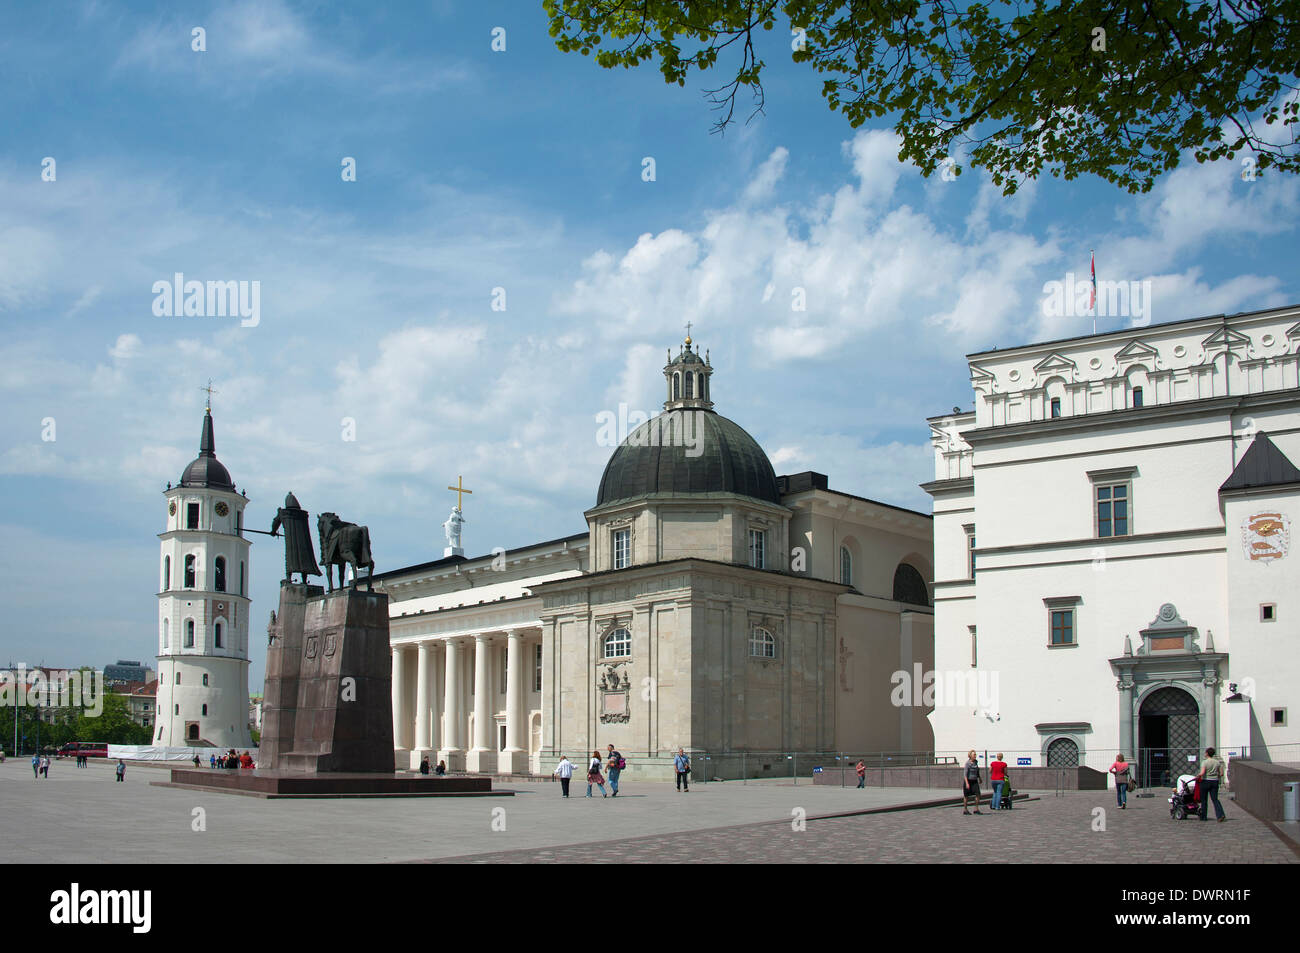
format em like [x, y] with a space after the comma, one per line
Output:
[1089, 569]
[203, 611]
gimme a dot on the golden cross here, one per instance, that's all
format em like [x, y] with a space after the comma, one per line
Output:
[459, 490]
[210, 392]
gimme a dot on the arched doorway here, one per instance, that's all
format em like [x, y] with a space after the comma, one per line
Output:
[1063, 753]
[1169, 733]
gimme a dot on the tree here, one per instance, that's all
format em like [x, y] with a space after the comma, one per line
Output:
[1118, 90]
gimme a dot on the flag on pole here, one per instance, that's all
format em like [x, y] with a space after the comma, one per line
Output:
[1092, 292]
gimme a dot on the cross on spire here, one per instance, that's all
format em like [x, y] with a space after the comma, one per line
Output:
[459, 488]
[688, 332]
[210, 392]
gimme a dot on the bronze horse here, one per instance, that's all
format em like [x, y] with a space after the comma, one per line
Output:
[342, 544]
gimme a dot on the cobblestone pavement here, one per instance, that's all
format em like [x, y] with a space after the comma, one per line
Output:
[1050, 830]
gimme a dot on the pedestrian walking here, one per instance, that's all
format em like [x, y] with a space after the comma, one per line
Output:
[564, 771]
[862, 774]
[1123, 772]
[970, 782]
[1211, 774]
[614, 765]
[36, 766]
[682, 765]
[594, 776]
[997, 777]
[121, 769]
[45, 766]
[212, 760]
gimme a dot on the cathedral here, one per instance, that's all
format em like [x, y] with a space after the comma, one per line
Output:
[710, 605]
[203, 608]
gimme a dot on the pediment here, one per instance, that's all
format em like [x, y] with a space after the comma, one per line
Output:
[1293, 332]
[1136, 350]
[1226, 337]
[1056, 363]
[978, 373]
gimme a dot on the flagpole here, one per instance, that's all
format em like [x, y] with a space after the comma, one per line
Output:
[1092, 261]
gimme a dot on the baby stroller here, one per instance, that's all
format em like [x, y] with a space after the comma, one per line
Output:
[1186, 798]
[1006, 793]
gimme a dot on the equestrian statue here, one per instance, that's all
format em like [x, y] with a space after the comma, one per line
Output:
[343, 544]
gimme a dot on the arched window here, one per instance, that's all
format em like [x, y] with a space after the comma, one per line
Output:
[704, 386]
[690, 386]
[846, 566]
[192, 732]
[1062, 753]
[761, 643]
[219, 574]
[167, 635]
[677, 386]
[205, 711]
[217, 634]
[909, 587]
[189, 572]
[167, 573]
[205, 681]
[618, 644]
[189, 637]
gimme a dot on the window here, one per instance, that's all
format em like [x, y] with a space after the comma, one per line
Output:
[677, 386]
[205, 681]
[177, 712]
[205, 711]
[970, 551]
[622, 548]
[1277, 716]
[537, 667]
[189, 572]
[761, 643]
[189, 640]
[618, 644]
[1062, 627]
[241, 578]
[974, 647]
[1062, 753]
[846, 566]
[1137, 396]
[167, 573]
[758, 548]
[1112, 510]
[167, 636]
[1268, 612]
[192, 730]
[690, 388]
[216, 629]
[909, 586]
[178, 678]
[1056, 406]
[191, 516]
[219, 574]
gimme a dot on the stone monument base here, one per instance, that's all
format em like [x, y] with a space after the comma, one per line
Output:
[286, 784]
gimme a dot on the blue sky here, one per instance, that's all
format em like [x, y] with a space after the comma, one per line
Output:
[478, 170]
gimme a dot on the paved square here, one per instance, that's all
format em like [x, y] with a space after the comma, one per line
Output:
[84, 816]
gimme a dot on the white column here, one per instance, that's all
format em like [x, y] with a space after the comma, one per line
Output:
[452, 747]
[515, 758]
[482, 757]
[401, 717]
[425, 679]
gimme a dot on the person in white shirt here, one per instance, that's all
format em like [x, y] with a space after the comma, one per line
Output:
[565, 771]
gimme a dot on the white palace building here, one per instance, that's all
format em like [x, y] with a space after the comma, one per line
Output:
[710, 605]
[1114, 546]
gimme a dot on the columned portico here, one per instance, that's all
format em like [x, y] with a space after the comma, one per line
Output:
[482, 756]
[515, 757]
[426, 686]
[402, 717]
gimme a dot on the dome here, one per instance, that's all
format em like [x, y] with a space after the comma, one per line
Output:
[206, 470]
[655, 459]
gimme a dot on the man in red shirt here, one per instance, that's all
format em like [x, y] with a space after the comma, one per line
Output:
[997, 774]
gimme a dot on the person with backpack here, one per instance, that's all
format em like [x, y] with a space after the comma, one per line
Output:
[970, 783]
[682, 765]
[121, 769]
[594, 775]
[614, 765]
[1123, 772]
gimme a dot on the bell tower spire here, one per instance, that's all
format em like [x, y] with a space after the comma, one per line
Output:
[687, 377]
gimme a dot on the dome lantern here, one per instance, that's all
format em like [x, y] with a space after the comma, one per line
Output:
[687, 379]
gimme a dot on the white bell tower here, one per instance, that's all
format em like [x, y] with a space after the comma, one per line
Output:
[203, 608]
